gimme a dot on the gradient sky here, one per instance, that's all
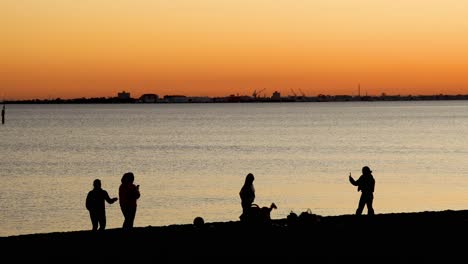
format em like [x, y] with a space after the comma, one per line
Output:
[94, 48]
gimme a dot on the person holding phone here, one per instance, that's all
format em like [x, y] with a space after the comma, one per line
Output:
[129, 193]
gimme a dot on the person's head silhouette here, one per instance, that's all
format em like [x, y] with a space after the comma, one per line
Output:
[249, 178]
[97, 183]
[366, 170]
[128, 178]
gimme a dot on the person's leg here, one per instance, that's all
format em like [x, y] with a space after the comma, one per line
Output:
[131, 217]
[94, 220]
[126, 217]
[370, 208]
[245, 211]
[362, 203]
[102, 221]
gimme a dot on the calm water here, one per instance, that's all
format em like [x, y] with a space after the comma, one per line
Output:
[191, 159]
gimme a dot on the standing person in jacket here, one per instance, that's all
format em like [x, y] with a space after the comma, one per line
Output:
[128, 196]
[247, 194]
[95, 203]
[366, 184]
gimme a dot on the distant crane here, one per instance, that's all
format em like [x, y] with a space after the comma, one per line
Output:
[294, 93]
[255, 93]
[303, 94]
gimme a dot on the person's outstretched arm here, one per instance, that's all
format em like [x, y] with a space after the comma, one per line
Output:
[352, 181]
[108, 199]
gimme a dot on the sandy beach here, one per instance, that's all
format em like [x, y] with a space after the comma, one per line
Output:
[396, 238]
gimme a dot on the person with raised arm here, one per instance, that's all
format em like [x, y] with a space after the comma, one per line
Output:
[366, 185]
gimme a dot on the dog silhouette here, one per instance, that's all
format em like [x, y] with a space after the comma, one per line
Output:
[258, 215]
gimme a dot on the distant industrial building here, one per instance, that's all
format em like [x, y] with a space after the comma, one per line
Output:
[175, 99]
[276, 96]
[124, 95]
[200, 99]
[148, 98]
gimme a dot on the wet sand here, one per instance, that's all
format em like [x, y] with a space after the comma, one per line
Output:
[389, 238]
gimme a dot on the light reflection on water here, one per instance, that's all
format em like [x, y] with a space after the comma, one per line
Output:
[191, 159]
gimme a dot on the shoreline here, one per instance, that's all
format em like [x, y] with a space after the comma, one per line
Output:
[182, 99]
[344, 237]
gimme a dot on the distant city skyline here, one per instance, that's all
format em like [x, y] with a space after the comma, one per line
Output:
[276, 97]
[125, 94]
[72, 49]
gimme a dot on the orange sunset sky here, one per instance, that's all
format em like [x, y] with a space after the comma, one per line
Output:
[96, 48]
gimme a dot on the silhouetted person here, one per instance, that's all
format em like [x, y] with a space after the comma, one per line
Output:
[247, 195]
[95, 203]
[3, 114]
[128, 196]
[366, 184]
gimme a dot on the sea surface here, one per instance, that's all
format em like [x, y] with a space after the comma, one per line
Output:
[191, 159]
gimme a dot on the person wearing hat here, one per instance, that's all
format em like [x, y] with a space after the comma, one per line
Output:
[366, 185]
